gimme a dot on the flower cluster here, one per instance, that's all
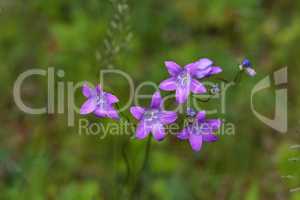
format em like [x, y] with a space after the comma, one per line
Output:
[99, 102]
[247, 66]
[184, 81]
[200, 130]
[153, 119]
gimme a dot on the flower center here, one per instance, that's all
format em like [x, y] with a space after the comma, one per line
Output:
[183, 79]
[201, 128]
[151, 115]
[101, 101]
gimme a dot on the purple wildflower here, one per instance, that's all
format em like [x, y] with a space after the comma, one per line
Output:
[152, 119]
[247, 66]
[205, 68]
[201, 130]
[215, 89]
[99, 102]
[182, 81]
[190, 112]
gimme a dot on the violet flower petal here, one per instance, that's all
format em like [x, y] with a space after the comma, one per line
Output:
[250, 71]
[203, 63]
[88, 106]
[182, 94]
[215, 70]
[197, 87]
[112, 113]
[184, 134]
[173, 68]
[111, 99]
[203, 72]
[87, 91]
[209, 137]
[168, 84]
[214, 124]
[196, 141]
[99, 112]
[98, 89]
[158, 132]
[192, 68]
[142, 130]
[168, 117]
[201, 116]
[156, 100]
[137, 112]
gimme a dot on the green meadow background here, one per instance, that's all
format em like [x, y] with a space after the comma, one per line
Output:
[42, 158]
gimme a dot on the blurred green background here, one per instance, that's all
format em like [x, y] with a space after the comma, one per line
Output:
[42, 158]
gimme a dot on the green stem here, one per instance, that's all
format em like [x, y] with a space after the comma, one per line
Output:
[236, 80]
[147, 152]
[115, 167]
[138, 184]
[222, 79]
[122, 114]
[237, 77]
[123, 150]
[126, 160]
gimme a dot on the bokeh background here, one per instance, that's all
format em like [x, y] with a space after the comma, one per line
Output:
[42, 158]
